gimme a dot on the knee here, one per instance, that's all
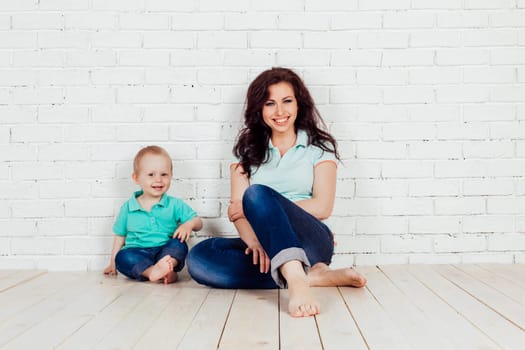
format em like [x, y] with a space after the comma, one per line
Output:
[256, 196]
[197, 264]
[180, 247]
[123, 258]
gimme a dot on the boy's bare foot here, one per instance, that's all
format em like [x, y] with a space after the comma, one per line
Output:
[320, 275]
[161, 269]
[171, 277]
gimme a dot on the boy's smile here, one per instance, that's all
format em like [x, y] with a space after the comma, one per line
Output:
[154, 176]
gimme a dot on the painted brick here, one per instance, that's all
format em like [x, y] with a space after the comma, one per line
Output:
[286, 39]
[435, 150]
[459, 206]
[488, 224]
[434, 188]
[134, 21]
[434, 225]
[90, 21]
[406, 244]
[357, 20]
[330, 5]
[457, 244]
[382, 225]
[463, 19]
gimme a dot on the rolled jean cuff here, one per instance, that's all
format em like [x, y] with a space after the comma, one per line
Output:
[283, 257]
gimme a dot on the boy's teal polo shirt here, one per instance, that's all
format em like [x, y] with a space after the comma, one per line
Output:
[292, 175]
[151, 229]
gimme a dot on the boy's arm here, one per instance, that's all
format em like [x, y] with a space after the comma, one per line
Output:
[118, 243]
[184, 230]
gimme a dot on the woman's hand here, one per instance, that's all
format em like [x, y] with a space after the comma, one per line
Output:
[235, 211]
[259, 257]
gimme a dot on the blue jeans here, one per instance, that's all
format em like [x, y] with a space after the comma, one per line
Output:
[132, 262]
[286, 232]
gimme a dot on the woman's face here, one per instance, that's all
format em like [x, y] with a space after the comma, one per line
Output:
[280, 109]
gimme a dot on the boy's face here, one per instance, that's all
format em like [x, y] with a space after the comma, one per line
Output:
[154, 175]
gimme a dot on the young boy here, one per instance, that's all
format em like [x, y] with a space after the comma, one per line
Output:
[152, 227]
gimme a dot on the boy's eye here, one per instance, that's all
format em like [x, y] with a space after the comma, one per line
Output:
[150, 174]
[164, 174]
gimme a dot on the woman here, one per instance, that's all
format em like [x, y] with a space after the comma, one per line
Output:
[281, 188]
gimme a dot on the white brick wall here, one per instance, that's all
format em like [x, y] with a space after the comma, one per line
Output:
[426, 99]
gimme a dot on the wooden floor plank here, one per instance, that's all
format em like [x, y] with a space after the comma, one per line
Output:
[514, 273]
[11, 278]
[127, 332]
[248, 309]
[206, 328]
[25, 295]
[380, 331]
[107, 319]
[169, 328]
[24, 329]
[503, 285]
[297, 333]
[486, 294]
[412, 321]
[442, 318]
[498, 329]
[336, 326]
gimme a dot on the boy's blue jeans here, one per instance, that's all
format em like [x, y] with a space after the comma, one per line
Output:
[132, 262]
[286, 232]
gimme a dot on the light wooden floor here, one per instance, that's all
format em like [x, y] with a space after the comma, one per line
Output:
[402, 307]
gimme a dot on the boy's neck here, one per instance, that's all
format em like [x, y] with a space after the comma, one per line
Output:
[146, 202]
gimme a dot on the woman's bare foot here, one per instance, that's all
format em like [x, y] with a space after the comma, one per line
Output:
[301, 301]
[161, 269]
[320, 275]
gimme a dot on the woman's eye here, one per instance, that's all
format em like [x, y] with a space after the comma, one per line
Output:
[289, 100]
[269, 103]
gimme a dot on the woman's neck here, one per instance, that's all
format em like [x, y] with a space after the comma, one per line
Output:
[284, 141]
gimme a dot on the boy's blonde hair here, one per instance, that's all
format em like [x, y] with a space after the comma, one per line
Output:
[156, 150]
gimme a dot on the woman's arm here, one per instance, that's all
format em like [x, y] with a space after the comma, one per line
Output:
[239, 184]
[323, 191]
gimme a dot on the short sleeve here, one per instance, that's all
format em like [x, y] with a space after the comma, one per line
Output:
[183, 212]
[319, 156]
[120, 225]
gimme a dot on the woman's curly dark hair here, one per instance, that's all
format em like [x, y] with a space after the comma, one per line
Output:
[252, 141]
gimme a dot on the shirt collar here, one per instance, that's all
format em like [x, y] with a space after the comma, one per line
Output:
[134, 203]
[302, 140]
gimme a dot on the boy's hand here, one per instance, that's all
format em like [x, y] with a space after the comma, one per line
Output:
[183, 232]
[110, 270]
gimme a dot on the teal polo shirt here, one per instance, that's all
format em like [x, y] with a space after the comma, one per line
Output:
[292, 175]
[145, 229]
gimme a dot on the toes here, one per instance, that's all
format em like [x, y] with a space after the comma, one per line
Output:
[305, 310]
